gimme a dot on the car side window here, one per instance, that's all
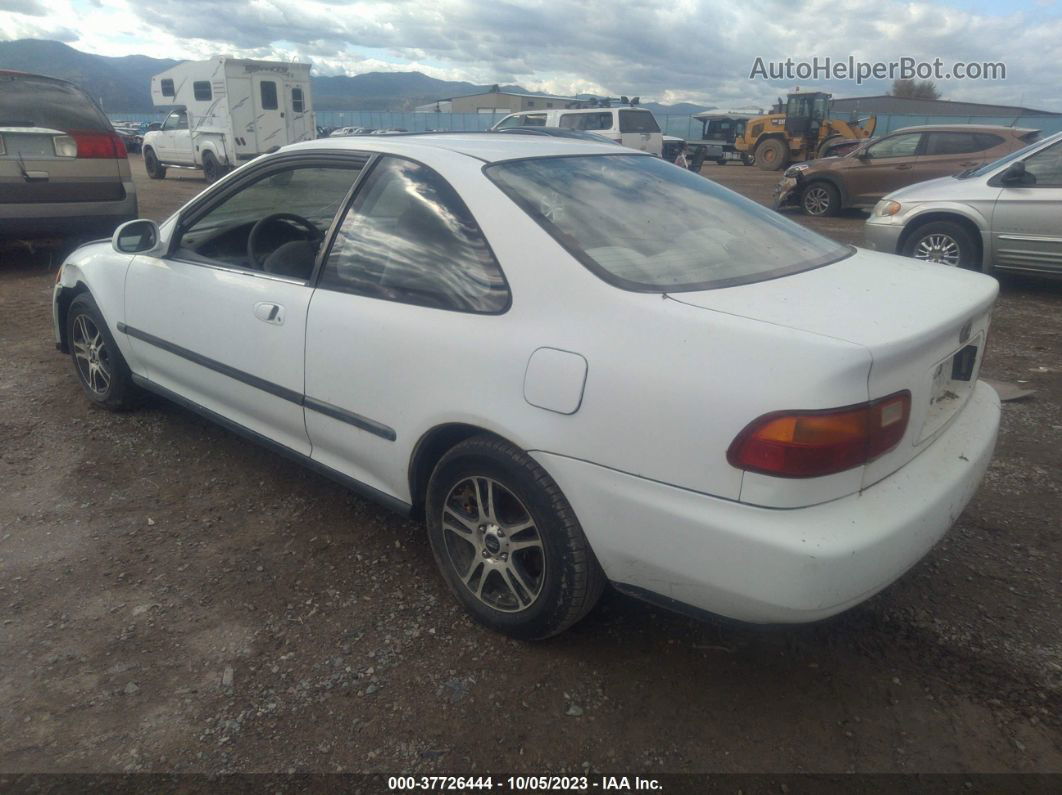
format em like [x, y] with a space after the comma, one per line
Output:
[201, 90]
[177, 120]
[166, 87]
[905, 145]
[586, 121]
[987, 140]
[534, 120]
[952, 143]
[308, 198]
[297, 105]
[1046, 166]
[410, 238]
[510, 121]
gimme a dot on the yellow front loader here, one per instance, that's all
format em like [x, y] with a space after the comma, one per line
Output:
[805, 131]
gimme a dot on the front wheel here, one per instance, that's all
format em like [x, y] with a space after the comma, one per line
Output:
[212, 170]
[508, 543]
[820, 199]
[944, 242]
[154, 168]
[771, 155]
[101, 369]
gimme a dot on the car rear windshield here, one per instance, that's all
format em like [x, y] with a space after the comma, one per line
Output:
[646, 225]
[35, 102]
[638, 121]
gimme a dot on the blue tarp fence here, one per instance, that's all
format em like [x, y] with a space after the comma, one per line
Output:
[681, 126]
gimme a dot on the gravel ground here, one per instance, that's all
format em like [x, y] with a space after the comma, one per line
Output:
[172, 598]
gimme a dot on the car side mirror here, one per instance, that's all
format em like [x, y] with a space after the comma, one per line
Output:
[1016, 175]
[136, 237]
[863, 154]
[154, 126]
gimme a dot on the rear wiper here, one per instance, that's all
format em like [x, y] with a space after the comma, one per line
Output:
[35, 177]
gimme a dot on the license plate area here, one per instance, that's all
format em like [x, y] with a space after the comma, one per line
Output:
[952, 382]
[963, 363]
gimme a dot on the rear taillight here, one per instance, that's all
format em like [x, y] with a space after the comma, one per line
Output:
[91, 145]
[808, 444]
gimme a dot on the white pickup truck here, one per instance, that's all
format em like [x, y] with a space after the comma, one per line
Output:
[226, 111]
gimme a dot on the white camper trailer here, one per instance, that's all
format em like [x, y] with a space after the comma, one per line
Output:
[226, 111]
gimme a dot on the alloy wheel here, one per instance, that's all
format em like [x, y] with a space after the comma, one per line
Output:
[493, 544]
[938, 247]
[816, 200]
[92, 355]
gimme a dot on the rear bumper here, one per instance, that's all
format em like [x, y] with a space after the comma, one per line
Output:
[769, 565]
[67, 219]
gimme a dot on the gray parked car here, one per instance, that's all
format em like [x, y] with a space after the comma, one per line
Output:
[1006, 215]
[64, 172]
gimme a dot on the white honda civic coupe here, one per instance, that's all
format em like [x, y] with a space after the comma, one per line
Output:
[580, 365]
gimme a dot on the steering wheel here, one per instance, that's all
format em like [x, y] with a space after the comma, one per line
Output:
[315, 235]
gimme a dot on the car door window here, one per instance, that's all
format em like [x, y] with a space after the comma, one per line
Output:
[178, 120]
[896, 146]
[410, 238]
[586, 121]
[1046, 166]
[533, 120]
[952, 143]
[987, 141]
[308, 197]
[510, 121]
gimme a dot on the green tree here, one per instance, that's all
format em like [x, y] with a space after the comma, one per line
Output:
[915, 89]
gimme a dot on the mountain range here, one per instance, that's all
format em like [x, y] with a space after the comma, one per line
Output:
[121, 84]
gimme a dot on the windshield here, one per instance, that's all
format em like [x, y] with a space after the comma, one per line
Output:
[988, 168]
[643, 224]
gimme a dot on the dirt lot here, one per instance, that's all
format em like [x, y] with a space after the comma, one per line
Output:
[173, 598]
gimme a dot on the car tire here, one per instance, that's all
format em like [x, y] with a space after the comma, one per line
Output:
[944, 242]
[154, 168]
[212, 170]
[820, 199]
[771, 155]
[101, 369]
[507, 541]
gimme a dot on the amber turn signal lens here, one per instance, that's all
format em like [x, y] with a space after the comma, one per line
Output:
[808, 444]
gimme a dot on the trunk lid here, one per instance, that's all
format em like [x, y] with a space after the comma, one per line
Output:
[923, 325]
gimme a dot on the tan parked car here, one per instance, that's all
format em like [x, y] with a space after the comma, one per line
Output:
[913, 154]
[64, 172]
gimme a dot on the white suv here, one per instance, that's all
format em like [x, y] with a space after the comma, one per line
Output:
[632, 127]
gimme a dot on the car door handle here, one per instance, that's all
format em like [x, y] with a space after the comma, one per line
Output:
[903, 166]
[970, 163]
[269, 313]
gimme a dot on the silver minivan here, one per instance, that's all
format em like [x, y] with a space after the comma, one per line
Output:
[1006, 215]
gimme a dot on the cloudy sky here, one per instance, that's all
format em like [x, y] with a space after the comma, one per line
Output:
[664, 50]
